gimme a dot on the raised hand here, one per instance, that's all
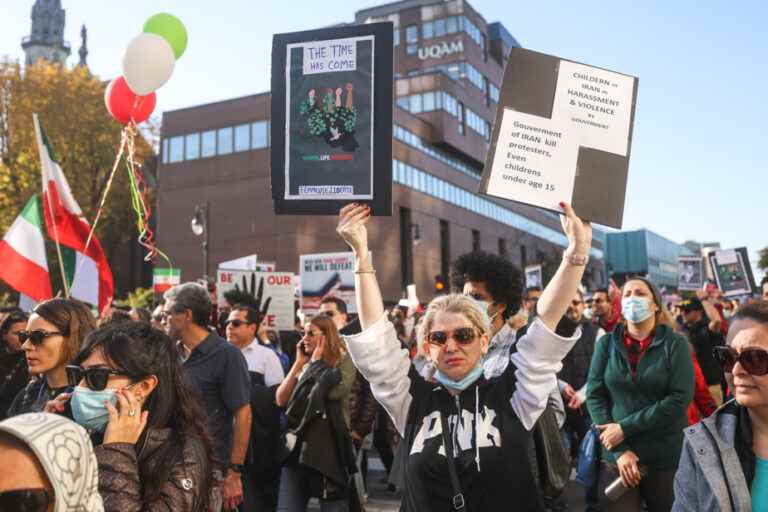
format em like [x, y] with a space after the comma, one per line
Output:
[351, 228]
[579, 232]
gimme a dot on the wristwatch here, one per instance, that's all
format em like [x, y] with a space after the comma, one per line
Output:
[237, 468]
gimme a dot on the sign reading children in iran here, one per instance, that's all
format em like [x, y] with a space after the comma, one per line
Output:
[563, 133]
[326, 144]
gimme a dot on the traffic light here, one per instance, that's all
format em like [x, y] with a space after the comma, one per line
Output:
[440, 285]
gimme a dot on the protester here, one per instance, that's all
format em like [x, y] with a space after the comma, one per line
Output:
[242, 326]
[532, 294]
[13, 363]
[146, 421]
[315, 394]
[53, 336]
[140, 315]
[605, 312]
[492, 467]
[702, 325]
[724, 464]
[220, 373]
[157, 317]
[641, 381]
[49, 466]
[114, 316]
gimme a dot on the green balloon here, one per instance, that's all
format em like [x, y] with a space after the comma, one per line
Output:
[171, 29]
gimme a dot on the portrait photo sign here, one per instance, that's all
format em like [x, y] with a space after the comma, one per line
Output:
[332, 119]
[690, 273]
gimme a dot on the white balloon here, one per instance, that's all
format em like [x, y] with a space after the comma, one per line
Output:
[148, 63]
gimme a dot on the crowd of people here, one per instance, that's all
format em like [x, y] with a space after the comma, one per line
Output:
[481, 399]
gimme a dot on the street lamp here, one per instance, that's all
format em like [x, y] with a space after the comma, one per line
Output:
[199, 226]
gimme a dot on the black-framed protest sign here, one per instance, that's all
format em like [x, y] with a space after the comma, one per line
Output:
[332, 119]
[732, 271]
[563, 133]
[690, 273]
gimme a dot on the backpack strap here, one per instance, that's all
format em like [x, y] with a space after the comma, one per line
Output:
[457, 501]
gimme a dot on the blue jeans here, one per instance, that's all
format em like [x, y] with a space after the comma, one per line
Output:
[295, 485]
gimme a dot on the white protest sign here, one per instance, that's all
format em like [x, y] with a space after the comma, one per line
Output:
[594, 105]
[277, 285]
[327, 275]
[330, 56]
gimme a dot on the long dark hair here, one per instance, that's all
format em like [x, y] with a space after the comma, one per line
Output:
[72, 318]
[141, 350]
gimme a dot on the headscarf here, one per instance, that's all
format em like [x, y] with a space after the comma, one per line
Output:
[66, 455]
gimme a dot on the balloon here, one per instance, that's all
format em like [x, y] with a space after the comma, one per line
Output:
[171, 29]
[124, 105]
[148, 63]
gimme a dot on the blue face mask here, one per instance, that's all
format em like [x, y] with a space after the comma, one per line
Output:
[460, 385]
[88, 409]
[636, 309]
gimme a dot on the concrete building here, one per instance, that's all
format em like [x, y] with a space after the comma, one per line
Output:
[449, 62]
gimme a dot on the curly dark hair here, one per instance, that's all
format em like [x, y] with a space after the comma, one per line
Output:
[502, 279]
[141, 350]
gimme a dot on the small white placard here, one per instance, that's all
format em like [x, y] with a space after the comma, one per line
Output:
[727, 257]
[534, 163]
[330, 56]
[595, 106]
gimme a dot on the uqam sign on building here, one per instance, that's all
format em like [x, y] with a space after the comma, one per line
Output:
[440, 50]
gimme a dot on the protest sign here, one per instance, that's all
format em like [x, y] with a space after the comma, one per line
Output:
[534, 276]
[332, 119]
[732, 271]
[165, 278]
[563, 132]
[277, 285]
[690, 273]
[327, 275]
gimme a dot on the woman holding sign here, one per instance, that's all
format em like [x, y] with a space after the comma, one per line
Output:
[466, 439]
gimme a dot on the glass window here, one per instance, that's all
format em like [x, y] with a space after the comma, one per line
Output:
[396, 36]
[176, 149]
[440, 28]
[165, 150]
[412, 34]
[429, 101]
[224, 137]
[415, 103]
[209, 144]
[259, 135]
[427, 30]
[411, 49]
[242, 137]
[452, 25]
[192, 150]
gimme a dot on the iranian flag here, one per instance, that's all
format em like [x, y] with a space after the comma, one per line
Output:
[22, 253]
[165, 278]
[92, 281]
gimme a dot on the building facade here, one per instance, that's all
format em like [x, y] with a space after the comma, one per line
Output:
[644, 252]
[448, 67]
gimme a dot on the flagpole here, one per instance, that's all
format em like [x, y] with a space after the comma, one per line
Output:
[50, 209]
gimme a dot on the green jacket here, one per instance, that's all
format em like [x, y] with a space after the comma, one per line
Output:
[651, 406]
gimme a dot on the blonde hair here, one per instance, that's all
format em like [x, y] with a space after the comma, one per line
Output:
[334, 346]
[454, 303]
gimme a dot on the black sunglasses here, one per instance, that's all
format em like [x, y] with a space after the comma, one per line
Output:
[753, 360]
[462, 335]
[237, 323]
[25, 500]
[37, 336]
[95, 378]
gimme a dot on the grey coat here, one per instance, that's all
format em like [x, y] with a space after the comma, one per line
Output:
[717, 464]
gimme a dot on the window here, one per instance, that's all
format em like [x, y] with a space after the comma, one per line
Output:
[461, 118]
[411, 49]
[428, 30]
[415, 103]
[412, 34]
[242, 137]
[406, 248]
[440, 28]
[445, 247]
[451, 25]
[165, 150]
[396, 36]
[428, 103]
[209, 144]
[259, 135]
[224, 137]
[192, 144]
[176, 149]
[475, 240]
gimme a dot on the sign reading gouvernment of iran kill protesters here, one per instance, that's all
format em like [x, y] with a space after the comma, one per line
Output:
[563, 133]
[332, 119]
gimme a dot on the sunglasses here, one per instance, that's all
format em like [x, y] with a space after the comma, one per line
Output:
[37, 336]
[329, 314]
[237, 323]
[310, 334]
[753, 360]
[95, 378]
[462, 335]
[25, 500]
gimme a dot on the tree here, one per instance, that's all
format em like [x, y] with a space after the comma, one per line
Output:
[70, 104]
[762, 263]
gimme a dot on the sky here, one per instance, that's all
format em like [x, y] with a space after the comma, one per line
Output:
[698, 167]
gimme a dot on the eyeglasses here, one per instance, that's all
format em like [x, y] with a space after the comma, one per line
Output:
[753, 360]
[237, 323]
[25, 500]
[37, 336]
[462, 335]
[329, 314]
[95, 378]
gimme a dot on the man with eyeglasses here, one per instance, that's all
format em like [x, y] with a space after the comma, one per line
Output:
[606, 312]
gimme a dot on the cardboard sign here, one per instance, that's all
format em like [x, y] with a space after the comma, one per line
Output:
[277, 285]
[690, 273]
[732, 271]
[327, 275]
[563, 132]
[332, 119]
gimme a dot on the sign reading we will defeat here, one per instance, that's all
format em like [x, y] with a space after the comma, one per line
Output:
[561, 136]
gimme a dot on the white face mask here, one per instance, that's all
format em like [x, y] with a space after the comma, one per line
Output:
[484, 305]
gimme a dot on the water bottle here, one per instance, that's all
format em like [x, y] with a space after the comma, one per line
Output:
[617, 488]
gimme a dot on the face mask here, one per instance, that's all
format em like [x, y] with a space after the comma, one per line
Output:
[460, 385]
[636, 309]
[484, 306]
[88, 408]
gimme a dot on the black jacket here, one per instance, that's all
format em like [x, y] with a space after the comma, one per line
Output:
[263, 457]
[576, 363]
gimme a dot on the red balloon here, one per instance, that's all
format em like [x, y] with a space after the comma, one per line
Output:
[123, 104]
